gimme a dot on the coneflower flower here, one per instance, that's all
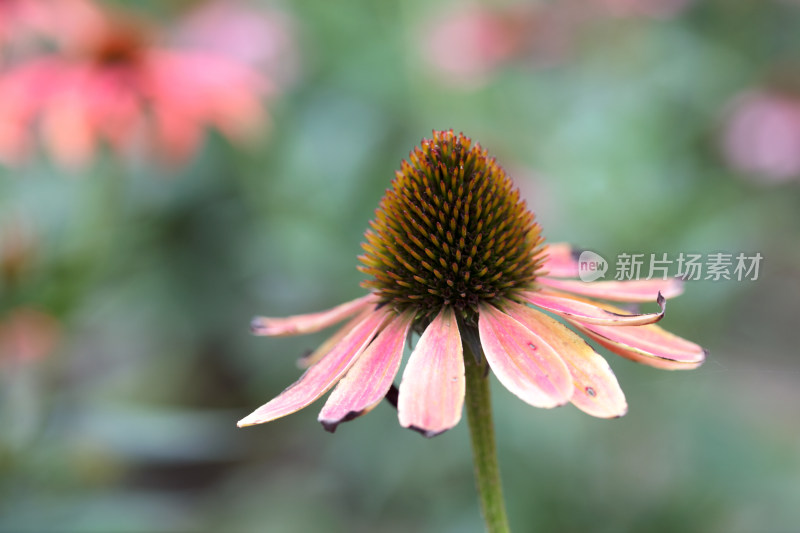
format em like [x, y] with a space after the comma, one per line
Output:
[111, 84]
[454, 254]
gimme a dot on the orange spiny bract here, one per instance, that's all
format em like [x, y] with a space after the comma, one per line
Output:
[452, 231]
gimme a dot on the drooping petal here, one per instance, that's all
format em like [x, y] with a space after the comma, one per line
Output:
[177, 134]
[561, 261]
[522, 360]
[586, 311]
[301, 324]
[318, 379]
[370, 377]
[639, 290]
[596, 390]
[116, 111]
[215, 91]
[23, 92]
[651, 345]
[66, 122]
[432, 389]
[322, 350]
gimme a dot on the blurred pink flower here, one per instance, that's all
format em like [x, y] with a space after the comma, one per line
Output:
[465, 48]
[264, 39]
[27, 335]
[111, 84]
[762, 135]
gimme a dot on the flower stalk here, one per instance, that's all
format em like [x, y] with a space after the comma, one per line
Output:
[484, 452]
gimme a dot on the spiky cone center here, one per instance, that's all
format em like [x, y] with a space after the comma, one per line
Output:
[451, 231]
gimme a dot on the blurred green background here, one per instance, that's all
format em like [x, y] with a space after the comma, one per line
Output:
[609, 114]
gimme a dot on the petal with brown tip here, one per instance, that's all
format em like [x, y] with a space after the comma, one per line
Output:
[650, 345]
[370, 377]
[318, 379]
[589, 312]
[431, 393]
[301, 324]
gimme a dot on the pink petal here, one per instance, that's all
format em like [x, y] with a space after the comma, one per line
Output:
[589, 312]
[322, 350]
[561, 261]
[371, 376]
[14, 142]
[214, 90]
[239, 117]
[522, 360]
[640, 290]
[19, 102]
[431, 392]
[651, 345]
[116, 108]
[178, 135]
[596, 390]
[318, 379]
[66, 122]
[301, 324]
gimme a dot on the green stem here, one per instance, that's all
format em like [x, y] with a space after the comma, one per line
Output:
[484, 453]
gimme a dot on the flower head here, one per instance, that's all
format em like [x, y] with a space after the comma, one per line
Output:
[452, 231]
[454, 253]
